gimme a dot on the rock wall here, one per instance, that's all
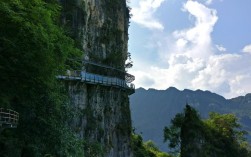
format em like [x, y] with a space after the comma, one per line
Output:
[100, 28]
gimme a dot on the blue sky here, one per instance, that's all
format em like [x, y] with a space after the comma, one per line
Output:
[193, 44]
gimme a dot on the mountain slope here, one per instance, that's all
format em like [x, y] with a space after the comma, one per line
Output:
[153, 109]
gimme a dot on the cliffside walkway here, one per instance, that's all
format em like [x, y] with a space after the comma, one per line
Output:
[8, 118]
[91, 78]
[120, 79]
[128, 77]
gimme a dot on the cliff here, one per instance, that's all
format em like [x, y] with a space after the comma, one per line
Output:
[100, 29]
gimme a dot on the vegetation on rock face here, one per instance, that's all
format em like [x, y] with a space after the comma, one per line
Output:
[33, 50]
[218, 136]
[147, 149]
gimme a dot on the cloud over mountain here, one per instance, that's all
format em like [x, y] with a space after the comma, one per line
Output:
[193, 60]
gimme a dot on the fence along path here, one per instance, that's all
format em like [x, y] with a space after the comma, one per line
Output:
[128, 77]
[8, 118]
[91, 78]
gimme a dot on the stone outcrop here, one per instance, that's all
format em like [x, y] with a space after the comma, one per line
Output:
[100, 28]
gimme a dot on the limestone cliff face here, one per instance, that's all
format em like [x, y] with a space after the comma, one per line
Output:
[100, 28]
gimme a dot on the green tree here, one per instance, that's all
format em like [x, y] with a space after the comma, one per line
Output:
[191, 133]
[185, 133]
[147, 149]
[138, 147]
[149, 145]
[225, 136]
[33, 51]
[218, 136]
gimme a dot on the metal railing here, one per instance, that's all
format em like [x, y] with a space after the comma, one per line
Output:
[102, 67]
[96, 79]
[8, 118]
[128, 77]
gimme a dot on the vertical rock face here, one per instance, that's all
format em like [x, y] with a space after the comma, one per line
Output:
[100, 28]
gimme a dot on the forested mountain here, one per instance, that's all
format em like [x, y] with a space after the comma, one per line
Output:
[153, 109]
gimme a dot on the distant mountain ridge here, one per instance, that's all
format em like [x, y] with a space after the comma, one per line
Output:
[153, 109]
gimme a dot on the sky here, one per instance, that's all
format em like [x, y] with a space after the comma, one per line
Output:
[192, 44]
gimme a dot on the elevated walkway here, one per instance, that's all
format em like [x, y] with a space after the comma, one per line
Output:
[90, 78]
[128, 77]
[100, 74]
[8, 118]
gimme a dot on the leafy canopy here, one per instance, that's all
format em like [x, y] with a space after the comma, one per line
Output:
[33, 50]
[147, 149]
[218, 136]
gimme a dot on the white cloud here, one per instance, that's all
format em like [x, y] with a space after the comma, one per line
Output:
[197, 40]
[221, 72]
[247, 49]
[208, 2]
[221, 48]
[226, 74]
[193, 64]
[144, 14]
